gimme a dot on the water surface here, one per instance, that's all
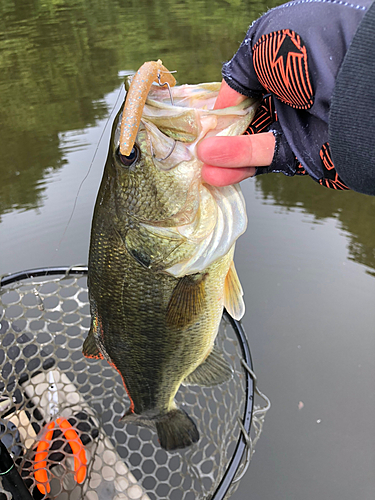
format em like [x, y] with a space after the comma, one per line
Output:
[307, 260]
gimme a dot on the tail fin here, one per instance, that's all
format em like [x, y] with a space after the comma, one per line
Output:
[176, 430]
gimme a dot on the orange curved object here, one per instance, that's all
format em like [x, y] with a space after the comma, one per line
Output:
[149, 72]
[40, 465]
[77, 447]
[79, 454]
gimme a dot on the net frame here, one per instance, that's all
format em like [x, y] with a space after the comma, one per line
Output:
[253, 416]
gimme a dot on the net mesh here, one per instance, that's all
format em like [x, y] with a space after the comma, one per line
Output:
[43, 374]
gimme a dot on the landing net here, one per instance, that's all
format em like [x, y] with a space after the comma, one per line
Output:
[44, 319]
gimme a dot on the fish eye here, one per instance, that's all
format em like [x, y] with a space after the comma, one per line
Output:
[127, 161]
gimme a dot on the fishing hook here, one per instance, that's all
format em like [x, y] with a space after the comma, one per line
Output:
[161, 159]
[170, 95]
[168, 86]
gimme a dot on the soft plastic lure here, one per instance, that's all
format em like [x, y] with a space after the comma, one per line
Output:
[149, 72]
[79, 454]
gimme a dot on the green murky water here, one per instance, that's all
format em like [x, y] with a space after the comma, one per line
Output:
[307, 261]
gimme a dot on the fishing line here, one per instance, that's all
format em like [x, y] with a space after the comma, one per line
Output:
[89, 170]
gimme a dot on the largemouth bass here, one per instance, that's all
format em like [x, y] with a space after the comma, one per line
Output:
[161, 258]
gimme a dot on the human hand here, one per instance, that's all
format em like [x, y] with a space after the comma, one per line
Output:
[228, 160]
[290, 58]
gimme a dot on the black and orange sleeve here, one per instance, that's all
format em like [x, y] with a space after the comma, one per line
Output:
[291, 57]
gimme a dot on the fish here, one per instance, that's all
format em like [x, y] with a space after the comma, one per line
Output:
[161, 255]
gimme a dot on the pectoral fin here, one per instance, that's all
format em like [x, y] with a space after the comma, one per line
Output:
[233, 293]
[213, 371]
[187, 300]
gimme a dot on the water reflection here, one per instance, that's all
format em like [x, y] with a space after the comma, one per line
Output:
[355, 212]
[60, 59]
[50, 82]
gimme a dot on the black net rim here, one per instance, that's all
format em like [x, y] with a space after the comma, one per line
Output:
[237, 458]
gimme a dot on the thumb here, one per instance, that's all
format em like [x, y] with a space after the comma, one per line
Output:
[228, 160]
[237, 151]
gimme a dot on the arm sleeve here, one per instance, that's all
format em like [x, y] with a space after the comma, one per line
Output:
[295, 52]
[352, 134]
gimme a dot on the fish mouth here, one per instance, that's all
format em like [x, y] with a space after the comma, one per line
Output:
[166, 152]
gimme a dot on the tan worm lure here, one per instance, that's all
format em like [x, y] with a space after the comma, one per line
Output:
[149, 72]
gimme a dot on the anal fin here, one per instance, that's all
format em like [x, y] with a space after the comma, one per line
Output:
[213, 371]
[233, 294]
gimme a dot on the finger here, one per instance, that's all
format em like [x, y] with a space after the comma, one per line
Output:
[240, 151]
[228, 97]
[217, 176]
